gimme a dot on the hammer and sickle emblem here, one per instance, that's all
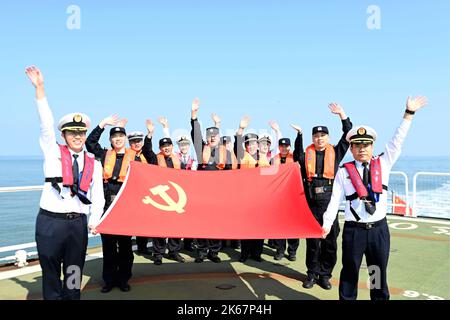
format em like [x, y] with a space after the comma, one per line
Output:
[171, 204]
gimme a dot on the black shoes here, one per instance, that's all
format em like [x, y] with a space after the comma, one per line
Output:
[106, 288]
[214, 258]
[124, 287]
[177, 257]
[292, 257]
[324, 283]
[309, 282]
[258, 259]
[199, 259]
[243, 258]
[158, 261]
[278, 256]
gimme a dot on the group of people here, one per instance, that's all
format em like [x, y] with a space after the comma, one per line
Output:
[80, 182]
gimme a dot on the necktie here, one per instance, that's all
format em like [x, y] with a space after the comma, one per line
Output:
[366, 174]
[74, 187]
[370, 208]
[184, 159]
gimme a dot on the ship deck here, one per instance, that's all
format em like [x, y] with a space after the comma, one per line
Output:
[419, 269]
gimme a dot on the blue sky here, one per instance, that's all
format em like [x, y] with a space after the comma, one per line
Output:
[281, 60]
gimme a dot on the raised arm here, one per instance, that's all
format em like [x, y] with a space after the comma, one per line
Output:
[165, 123]
[47, 138]
[216, 119]
[147, 148]
[37, 79]
[238, 140]
[342, 146]
[394, 146]
[196, 133]
[298, 145]
[92, 141]
[278, 135]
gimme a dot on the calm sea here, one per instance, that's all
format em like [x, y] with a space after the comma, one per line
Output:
[18, 210]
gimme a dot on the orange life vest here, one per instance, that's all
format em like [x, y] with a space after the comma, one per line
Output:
[329, 162]
[110, 162]
[289, 158]
[249, 162]
[141, 156]
[222, 157]
[162, 160]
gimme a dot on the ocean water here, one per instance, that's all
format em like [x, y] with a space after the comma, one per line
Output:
[18, 210]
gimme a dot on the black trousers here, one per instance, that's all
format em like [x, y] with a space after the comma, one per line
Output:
[375, 245]
[61, 241]
[160, 245]
[321, 254]
[208, 246]
[117, 258]
[141, 243]
[188, 243]
[280, 245]
[252, 248]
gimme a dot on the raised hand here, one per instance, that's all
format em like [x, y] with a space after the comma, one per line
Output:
[112, 120]
[416, 103]
[244, 122]
[164, 122]
[35, 76]
[296, 127]
[150, 126]
[122, 123]
[274, 125]
[337, 109]
[195, 104]
[216, 119]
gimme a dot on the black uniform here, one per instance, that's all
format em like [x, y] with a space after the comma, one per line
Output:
[207, 247]
[249, 247]
[117, 249]
[292, 244]
[321, 254]
[160, 244]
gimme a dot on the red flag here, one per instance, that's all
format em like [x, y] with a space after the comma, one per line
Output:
[400, 206]
[260, 203]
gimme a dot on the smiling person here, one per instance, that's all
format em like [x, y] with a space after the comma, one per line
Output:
[73, 188]
[319, 165]
[117, 249]
[363, 183]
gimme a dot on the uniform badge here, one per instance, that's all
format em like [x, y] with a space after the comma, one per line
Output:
[361, 131]
[77, 118]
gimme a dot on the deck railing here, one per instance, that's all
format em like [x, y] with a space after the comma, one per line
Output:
[423, 198]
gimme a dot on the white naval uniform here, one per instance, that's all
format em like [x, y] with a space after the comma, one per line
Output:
[343, 186]
[51, 200]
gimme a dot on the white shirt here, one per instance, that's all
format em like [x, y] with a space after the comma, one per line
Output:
[51, 200]
[343, 186]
